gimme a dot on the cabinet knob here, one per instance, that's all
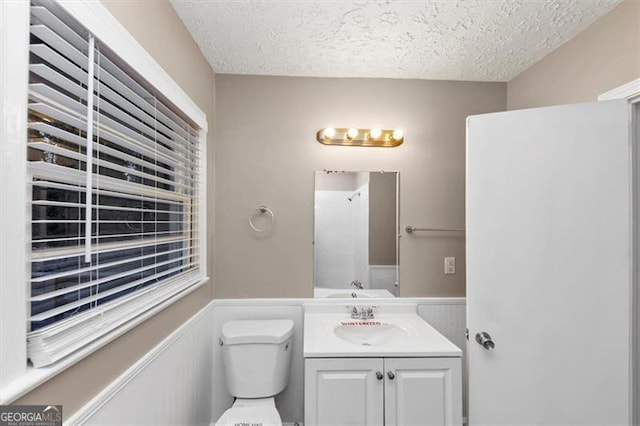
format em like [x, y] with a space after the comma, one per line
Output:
[390, 375]
[379, 375]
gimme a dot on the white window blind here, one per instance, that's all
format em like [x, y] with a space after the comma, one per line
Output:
[114, 186]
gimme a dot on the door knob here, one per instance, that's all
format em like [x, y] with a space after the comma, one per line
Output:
[484, 339]
[379, 375]
[391, 375]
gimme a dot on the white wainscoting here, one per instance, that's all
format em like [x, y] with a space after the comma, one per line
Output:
[171, 384]
[181, 381]
[383, 277]
[449, 317]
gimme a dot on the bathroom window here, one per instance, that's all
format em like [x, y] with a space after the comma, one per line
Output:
[115, 204]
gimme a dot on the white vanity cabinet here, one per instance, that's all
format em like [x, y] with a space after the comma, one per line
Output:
[383, 391]
[391, 369]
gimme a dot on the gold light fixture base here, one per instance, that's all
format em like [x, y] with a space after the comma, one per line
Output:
[341, 136]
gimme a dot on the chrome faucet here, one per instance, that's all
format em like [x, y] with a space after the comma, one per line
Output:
[362, 313]
[357, 284]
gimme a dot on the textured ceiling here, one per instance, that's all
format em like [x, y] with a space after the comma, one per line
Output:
[486, 40]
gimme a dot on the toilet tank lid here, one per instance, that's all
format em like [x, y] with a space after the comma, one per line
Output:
[256, 331]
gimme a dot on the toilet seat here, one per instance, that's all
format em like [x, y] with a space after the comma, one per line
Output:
[251, 412]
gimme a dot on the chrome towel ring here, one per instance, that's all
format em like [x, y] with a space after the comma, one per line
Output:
[262, 210]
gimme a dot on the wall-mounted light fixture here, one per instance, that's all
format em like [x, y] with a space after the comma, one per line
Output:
[360, 137]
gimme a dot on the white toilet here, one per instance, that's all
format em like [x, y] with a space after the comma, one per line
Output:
[256, 356]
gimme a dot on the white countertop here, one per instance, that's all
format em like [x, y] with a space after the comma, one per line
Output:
[419, 340]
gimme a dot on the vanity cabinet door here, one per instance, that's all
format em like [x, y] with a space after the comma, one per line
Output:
[423, 391]
[343, 391]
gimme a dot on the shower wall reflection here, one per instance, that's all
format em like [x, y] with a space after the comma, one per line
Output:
[356, 233]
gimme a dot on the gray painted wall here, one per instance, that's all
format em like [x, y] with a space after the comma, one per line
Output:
[602, 57]
[382, 219]
[266, 153]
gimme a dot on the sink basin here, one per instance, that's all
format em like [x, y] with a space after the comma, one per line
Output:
[395, 331]
[343, 295]
[369, 333]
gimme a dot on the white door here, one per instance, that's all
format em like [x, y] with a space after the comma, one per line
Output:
[423, 391]
[549, 222]
[343, 391]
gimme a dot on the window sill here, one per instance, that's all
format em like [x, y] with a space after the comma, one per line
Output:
[34, 377]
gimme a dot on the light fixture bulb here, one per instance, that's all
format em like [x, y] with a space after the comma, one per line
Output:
[329, 133]
[398, 134]
[352, 133]
[375, 133]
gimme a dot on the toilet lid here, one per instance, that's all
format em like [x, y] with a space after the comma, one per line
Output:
[250, 416]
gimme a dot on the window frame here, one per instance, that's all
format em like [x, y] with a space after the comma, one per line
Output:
[16, 377]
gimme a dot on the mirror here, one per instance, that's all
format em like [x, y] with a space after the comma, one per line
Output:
[356, 234]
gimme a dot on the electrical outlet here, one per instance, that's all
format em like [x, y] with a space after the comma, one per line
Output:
[449, 265]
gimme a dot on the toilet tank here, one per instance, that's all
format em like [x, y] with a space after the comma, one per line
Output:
[256, 356]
